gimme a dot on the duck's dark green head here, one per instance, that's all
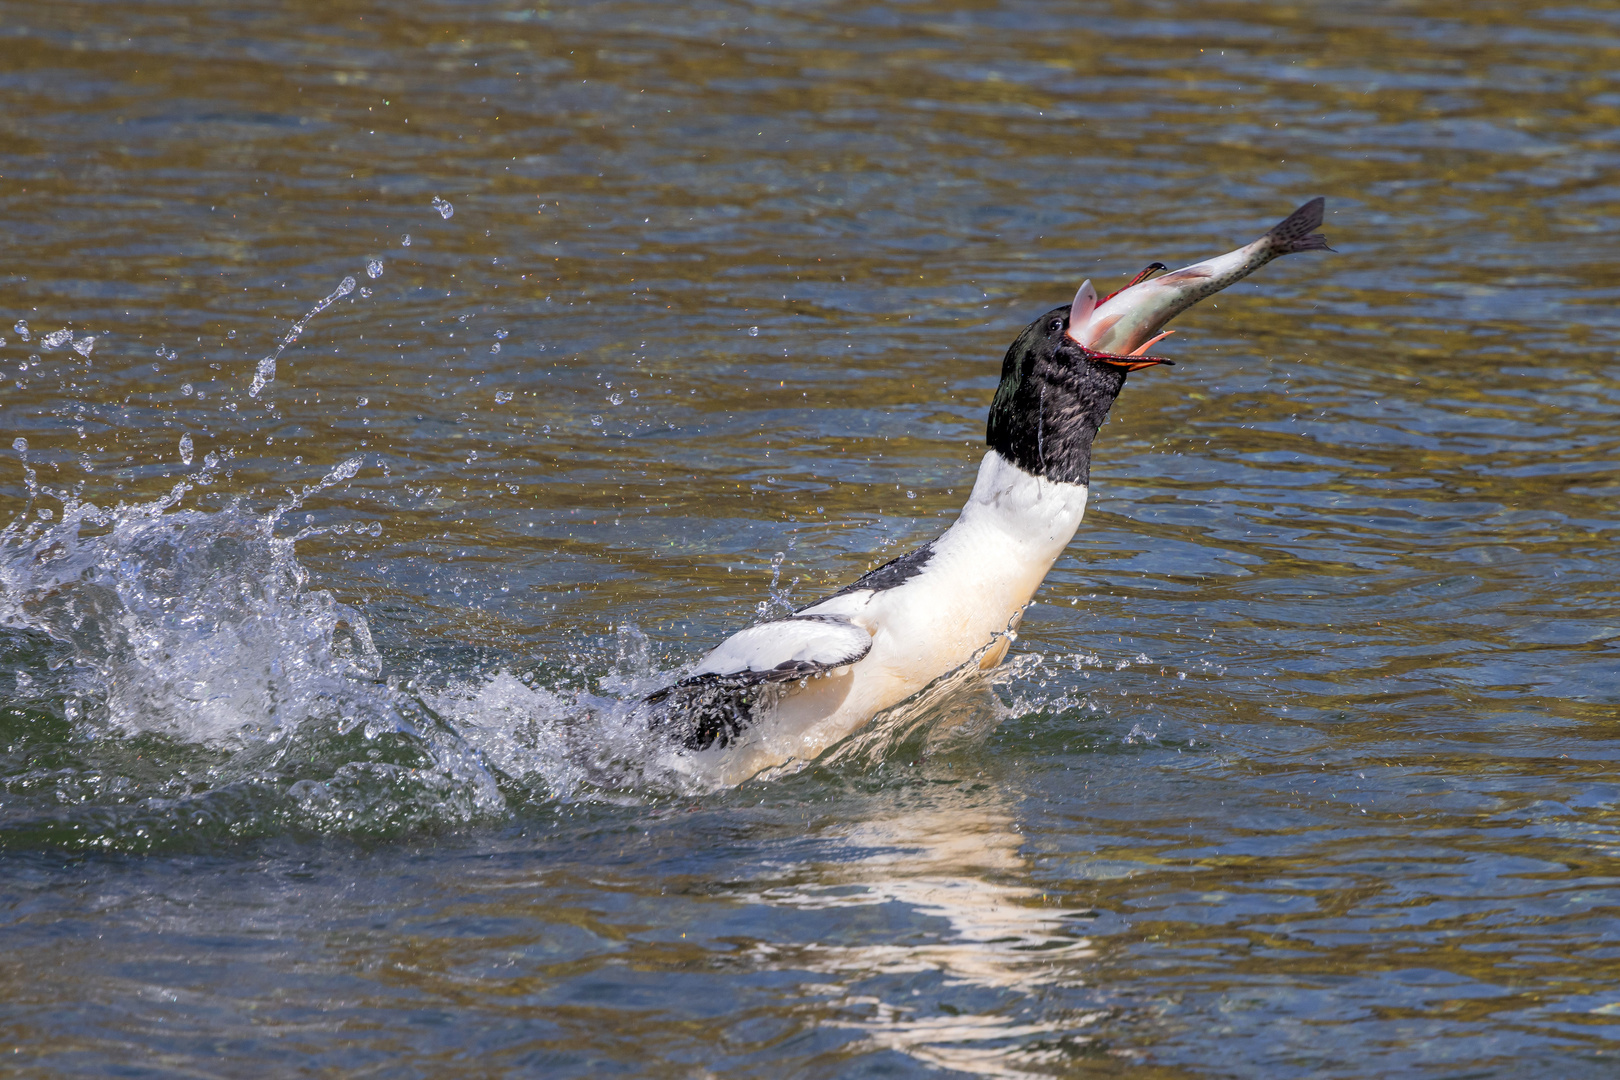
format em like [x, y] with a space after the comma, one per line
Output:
[1054, 396]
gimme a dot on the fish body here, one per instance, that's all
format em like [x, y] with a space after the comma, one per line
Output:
[1131, 319]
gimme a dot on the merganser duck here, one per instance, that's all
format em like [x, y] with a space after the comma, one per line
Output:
[784, 691]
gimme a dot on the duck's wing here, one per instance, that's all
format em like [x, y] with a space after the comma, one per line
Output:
[715, 703]
[790, 648]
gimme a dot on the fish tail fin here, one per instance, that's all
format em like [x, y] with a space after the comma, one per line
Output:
[1294, 232]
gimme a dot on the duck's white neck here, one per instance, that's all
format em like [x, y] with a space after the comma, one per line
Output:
[1023, 517]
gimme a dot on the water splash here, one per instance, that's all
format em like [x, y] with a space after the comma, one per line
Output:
[271, 705]
[201, 631]
[266, 370]
[192, 683]
[374, 269]
[443, 207]
[344, 471]
[778, 600]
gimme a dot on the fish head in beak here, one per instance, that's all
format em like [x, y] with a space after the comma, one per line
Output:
[1083, 331]
[1129, 322]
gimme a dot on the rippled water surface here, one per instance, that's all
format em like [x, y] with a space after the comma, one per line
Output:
[392, 392]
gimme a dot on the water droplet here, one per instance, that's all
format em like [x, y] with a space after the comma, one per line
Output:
[46, 515]
[633, 393]
[443, 207]
[20, 445]
[495, 348]
[374, 269]
[231, 335]
[596, 421]
[911, 494]
[186, 389]
[502, 396]
[58, 337]
[362, 401]
[210, 460]
[500, 335]
[472, 457]
[22, 329]
[616, 399]
[185, 449]
[406, 242]
[364, 291]
[83, 346]
[753, 331]
[343, 471]
[770, 479]
[262, 375]
[346, 286]
[376, 528]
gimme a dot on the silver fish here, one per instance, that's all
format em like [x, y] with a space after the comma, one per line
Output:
[1131, 320]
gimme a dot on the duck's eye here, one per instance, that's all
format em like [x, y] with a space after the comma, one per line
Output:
[1057, 324]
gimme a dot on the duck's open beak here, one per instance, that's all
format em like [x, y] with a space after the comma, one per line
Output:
[1129, 363]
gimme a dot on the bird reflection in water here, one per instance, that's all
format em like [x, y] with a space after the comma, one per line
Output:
[949, 850]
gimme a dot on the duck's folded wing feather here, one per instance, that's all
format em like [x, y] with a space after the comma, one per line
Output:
[714, 705]
[790, 648]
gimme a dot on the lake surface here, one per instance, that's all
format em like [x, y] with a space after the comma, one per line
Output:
[667, 317]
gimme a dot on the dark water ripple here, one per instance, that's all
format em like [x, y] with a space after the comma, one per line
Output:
[1306, 768]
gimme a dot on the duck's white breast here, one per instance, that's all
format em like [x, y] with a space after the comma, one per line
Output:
[981, 574]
